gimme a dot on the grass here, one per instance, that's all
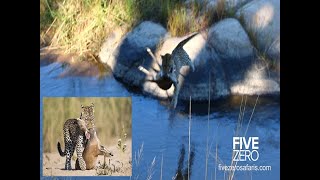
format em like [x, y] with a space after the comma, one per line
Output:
[207, 150]
[80, 27]
[137, 159]
[112, 118]
[189, 146]
[110, 168]
[239, 127]
[151, 169]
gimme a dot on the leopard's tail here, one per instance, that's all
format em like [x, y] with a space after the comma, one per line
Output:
[60, 150]
[182, 43]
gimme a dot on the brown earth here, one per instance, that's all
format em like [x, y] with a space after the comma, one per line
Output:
[120, 164]
[90, 67]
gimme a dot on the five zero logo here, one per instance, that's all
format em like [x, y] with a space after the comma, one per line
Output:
[245, 149]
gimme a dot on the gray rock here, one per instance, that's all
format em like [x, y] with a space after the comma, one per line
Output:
[125, 53]
[229, 4]
[262, 19]
[108, 52]
[223, 59]
[230, 40]
[257, 81]
[228, 76]
[236, 3]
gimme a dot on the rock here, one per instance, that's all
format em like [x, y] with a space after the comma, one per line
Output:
[125, 54]
[228, 4]
[227, 76]
[257, 81]
[198, 84]
[230, 40]
[243, 72]
[235, 3]
[224, 62]
[262, 19]
[108, 50]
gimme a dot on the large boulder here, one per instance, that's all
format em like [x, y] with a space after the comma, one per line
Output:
[244, 72]
[234, 48]
[258, 80]
[224, 60]
[125, 53]
[230, 40]
[262, 19]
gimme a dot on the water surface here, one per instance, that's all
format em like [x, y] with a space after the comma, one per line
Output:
[163, 134]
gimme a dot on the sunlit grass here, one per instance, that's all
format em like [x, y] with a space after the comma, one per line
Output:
[112, 118]
[80, 27]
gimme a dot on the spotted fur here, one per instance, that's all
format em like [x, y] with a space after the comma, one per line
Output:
[75, 133]
[87, 114]
[171, 65]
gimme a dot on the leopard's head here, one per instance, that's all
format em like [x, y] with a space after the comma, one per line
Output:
[87, 114]
[167, 66]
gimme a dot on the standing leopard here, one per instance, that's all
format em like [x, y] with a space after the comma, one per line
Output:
[171, 65]
[75, 135]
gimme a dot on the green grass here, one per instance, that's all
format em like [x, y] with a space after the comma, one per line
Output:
[80, 27]
[112, 118]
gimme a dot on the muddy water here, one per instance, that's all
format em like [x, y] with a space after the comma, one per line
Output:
[163, 135]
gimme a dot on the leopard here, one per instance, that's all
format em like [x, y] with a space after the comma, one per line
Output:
[93, 148]
[75, 134]
[171, 65]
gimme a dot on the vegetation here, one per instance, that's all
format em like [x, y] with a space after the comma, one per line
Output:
[112, 118]
[81, 26]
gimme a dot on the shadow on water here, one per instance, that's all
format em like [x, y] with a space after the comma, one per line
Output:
[183, 167]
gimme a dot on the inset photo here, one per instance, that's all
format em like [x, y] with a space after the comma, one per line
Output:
[84, 136]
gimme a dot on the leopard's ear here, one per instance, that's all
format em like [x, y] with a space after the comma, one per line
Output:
[92, 105]
[82, 106]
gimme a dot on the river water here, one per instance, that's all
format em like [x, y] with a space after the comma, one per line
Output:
[162, 135]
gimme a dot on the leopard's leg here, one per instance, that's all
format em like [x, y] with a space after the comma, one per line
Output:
[69, 152]
[79, 150]
[175, 92]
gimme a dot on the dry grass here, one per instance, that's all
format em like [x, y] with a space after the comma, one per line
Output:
[81, 26]
[123, 161]
[112, 117]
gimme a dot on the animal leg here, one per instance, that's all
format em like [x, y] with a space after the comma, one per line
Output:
[80, 149]
[69, 152]
[104, 151]
[174, 100]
